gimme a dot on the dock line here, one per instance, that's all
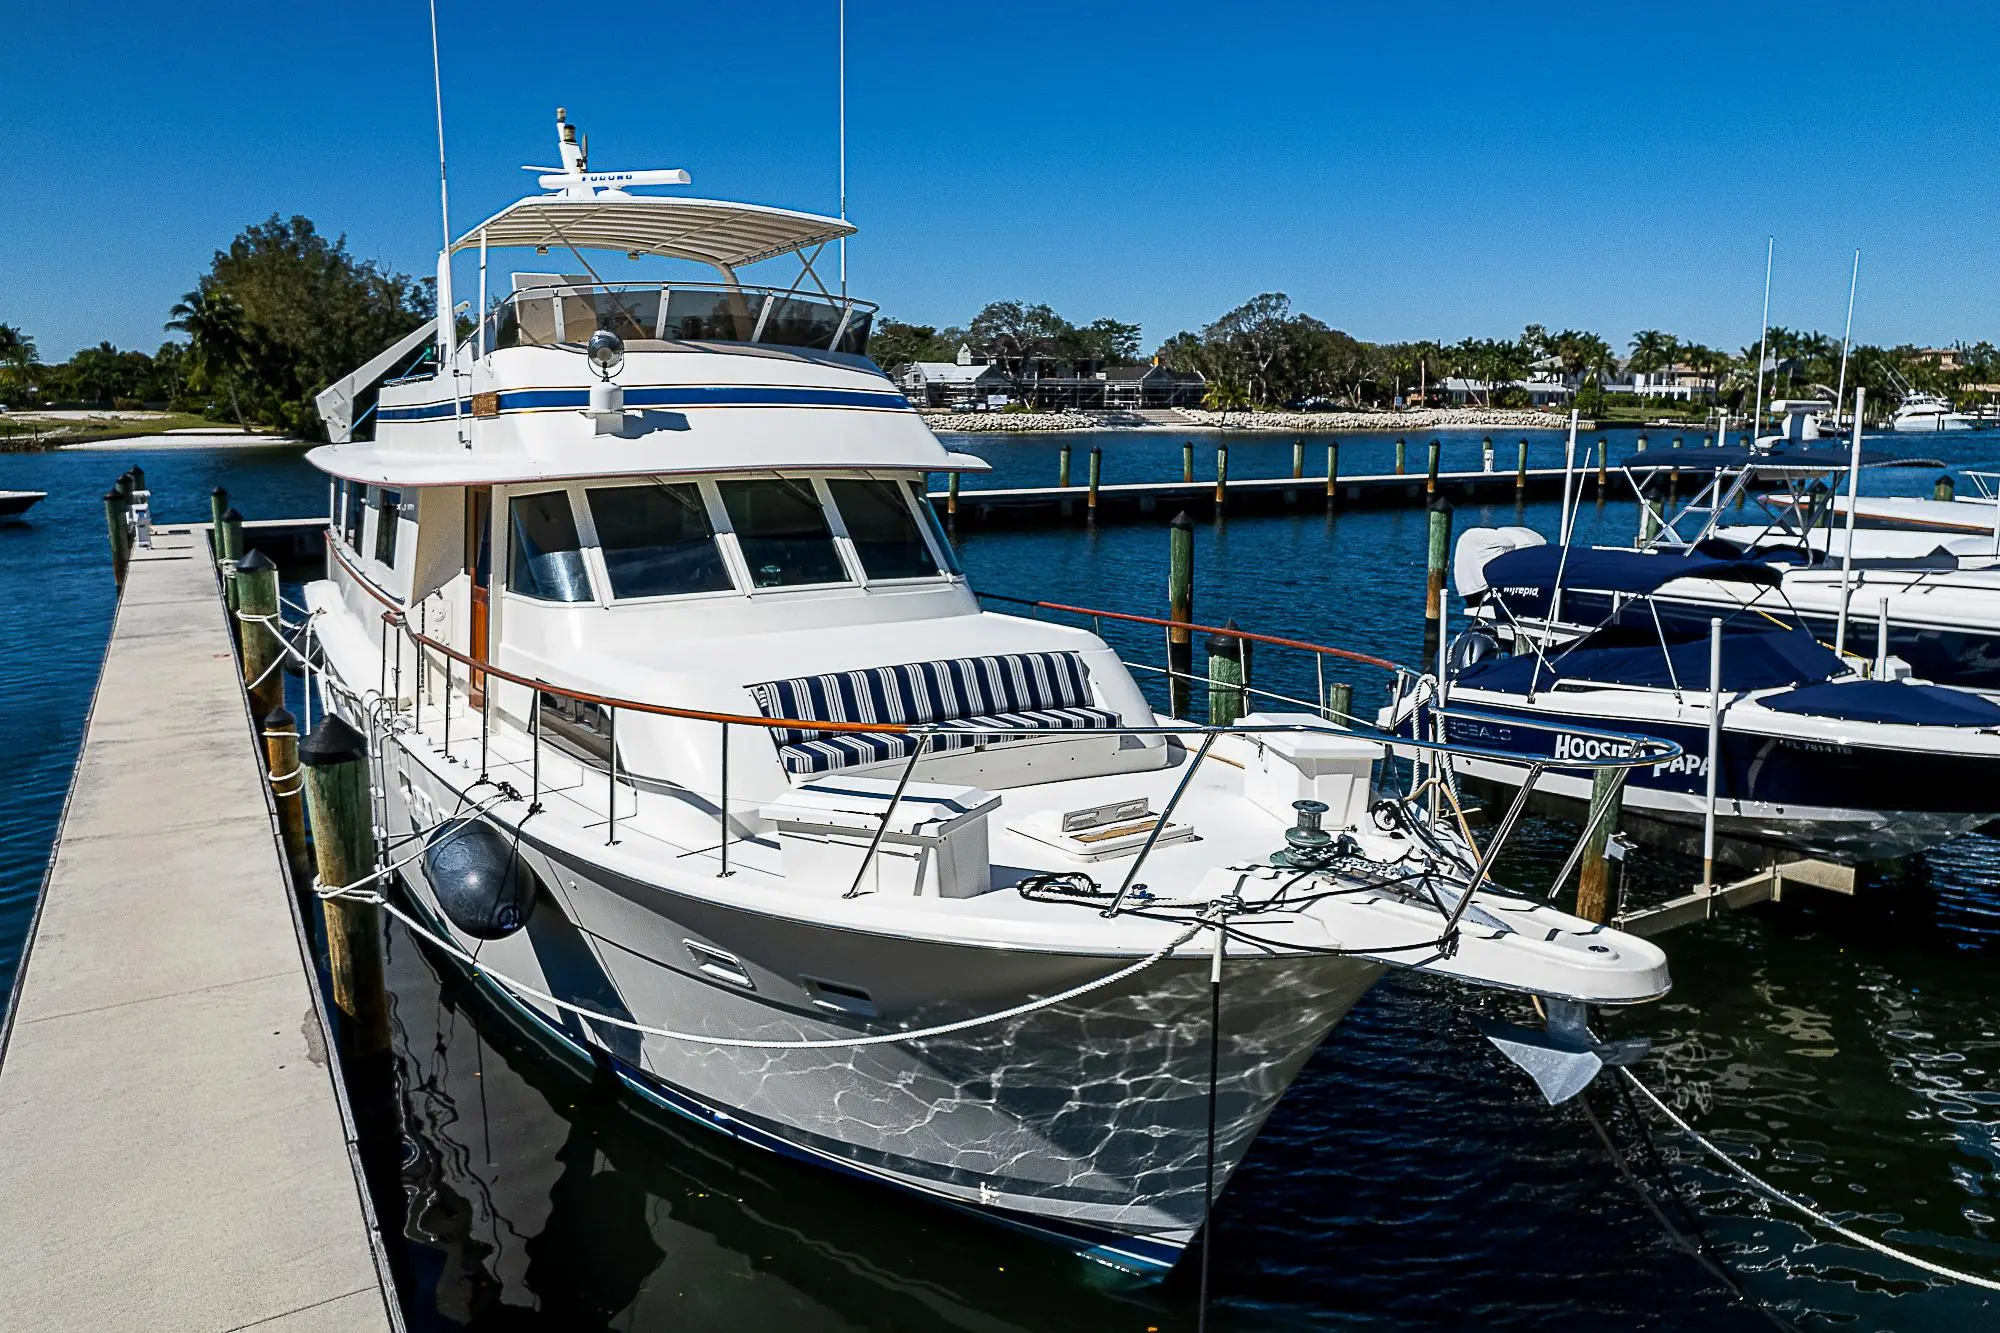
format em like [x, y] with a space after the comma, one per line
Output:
[1800, 1205]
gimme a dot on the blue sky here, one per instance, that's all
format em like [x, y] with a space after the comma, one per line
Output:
[1401, 171]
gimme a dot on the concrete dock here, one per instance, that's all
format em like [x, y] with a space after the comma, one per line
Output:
[1160, 500]
[175, 1147]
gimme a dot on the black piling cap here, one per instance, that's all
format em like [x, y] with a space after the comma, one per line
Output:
[332, 742]
[279, 719]
[1181, 520]
[254, 563]
[124, 483]
[1226, 644]
[231, 516]
[1097, 448]
[115, 494]
[138, 475]
[219, 493]
[1438, 505]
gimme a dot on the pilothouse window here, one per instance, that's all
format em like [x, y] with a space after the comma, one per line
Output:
[388, 509]
[783, 532]
[883, 529]
[545, 559]
[657, 540]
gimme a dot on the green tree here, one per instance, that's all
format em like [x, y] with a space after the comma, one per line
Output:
[310, 313]
[1652, 350]
[18, 357]
[218, 346]
[892, 343]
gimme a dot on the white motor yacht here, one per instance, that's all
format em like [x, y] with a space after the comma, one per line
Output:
[1921, 411]
[692, 733]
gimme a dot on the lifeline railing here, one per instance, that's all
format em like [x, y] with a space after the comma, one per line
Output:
[1617, 750]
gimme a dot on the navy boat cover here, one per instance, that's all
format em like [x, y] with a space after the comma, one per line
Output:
[1889, 701]
[1750, 661]
[1614, 569]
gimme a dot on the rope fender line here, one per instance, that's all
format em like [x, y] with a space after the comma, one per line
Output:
[1800, 1205]
[352, 892]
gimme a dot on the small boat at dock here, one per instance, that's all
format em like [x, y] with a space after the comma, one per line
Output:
[13, 504]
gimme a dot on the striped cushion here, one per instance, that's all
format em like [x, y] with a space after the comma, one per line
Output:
[1029, 691]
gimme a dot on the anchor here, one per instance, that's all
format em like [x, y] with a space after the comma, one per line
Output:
[1562, 1056]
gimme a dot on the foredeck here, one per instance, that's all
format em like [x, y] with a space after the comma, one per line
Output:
[173, 1150]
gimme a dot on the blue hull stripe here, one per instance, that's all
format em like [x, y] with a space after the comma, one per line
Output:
[1138, 1254]
[530, 400]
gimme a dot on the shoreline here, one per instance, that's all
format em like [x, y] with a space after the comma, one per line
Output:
[1250, 423]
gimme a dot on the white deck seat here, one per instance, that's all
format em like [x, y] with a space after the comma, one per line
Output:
[1028, 695]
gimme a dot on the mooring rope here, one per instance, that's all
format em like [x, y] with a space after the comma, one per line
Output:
[1800, 1205]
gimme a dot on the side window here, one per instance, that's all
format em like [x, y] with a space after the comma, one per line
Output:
[938, 534]
[388, 513]
[337, 494]
[545, 559]
[883, 528]
[657, 540]
[783, 532]
[357, 501]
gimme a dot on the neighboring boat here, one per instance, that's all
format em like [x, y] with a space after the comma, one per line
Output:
[1814, 756]
[1928, 412]
[690, 728]
[1961, 515]
[1939, 597]
[13, 504]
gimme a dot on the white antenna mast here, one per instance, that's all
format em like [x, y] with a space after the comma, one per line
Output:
[843, 143]
[447, 310]
[1846, 337]
[1763, 341]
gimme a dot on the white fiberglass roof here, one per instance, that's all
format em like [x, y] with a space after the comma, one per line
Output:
[709, 231]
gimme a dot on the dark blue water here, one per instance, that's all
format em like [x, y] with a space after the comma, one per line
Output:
[1849, 1048]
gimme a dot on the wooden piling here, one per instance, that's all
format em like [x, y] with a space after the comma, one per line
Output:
[281, 766]
[1641, 445]
[951, 496]
[334, 760]
[218, 505]
[1332, 473]
[1436, 552]
[232, 552]
[1945, 489]
[1187, 460]
[1593, 885]
[1400, 469]
[1062, 465]
[1340, 702]
[1298, 459]
[1486, 454]
[1096, 476]
[1180, 609]
[1227, 675]
[1603, 450]
[1221, 476]
[115, 529]
[257, 632]
[1521, 470]
[1431, 471]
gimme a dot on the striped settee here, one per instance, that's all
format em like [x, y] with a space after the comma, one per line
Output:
[1025, 693]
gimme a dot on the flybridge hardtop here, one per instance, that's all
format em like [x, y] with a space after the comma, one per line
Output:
[666, 375]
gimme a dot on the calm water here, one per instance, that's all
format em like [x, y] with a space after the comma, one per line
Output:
[1411, 1179]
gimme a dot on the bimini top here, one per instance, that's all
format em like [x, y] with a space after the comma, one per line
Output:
[1759, 660]
[1534, 569]
[593, 210]
[716, 232]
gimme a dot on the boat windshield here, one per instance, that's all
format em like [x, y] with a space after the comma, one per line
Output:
[562, 312]
[884, 529]
[657, 540]
[783, 533]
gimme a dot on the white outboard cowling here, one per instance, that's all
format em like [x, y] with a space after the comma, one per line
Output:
[1477, 547]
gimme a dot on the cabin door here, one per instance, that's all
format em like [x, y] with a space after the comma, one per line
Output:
[479, 564]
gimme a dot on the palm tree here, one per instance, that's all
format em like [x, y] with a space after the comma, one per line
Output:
[17, 354]
[217, 343]
[1653, 350]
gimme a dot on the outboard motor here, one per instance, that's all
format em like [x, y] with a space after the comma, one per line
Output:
[1471, 647]
[481, 884]
[1476, 547]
